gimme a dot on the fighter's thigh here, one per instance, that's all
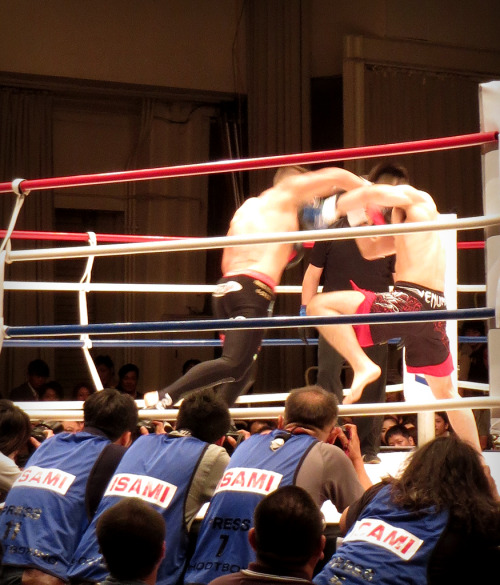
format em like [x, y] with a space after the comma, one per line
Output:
[343, 301]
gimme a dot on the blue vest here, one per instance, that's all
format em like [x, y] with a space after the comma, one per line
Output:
[44, 514]
[157, 469]
[387, 545]
[259, 465]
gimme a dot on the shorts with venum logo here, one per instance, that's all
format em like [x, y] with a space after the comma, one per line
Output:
[427, 344]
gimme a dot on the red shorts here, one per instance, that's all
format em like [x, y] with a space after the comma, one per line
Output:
[426, 343]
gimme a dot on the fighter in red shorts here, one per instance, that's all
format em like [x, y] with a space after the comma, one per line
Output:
[419, 277]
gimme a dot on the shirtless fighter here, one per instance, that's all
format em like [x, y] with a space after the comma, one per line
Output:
[250, 275]
[419, 284]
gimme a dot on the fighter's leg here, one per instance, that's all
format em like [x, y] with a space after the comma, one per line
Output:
[238, 353]
[343, 337]
[462, 421]
[230, 391]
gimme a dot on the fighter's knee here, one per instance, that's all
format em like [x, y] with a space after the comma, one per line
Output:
[313, 307]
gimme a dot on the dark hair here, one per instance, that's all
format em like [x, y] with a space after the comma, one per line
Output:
[15, 427]
[311, 407]
[54, 385]
[38, 368]
[398, 429]
[288, 527]
[205, 415]
[287, 171]
[447, 473]
[126, 368]
[77, 387]
[110, 411]
[104, 360]
[383, 171]
[131, 534]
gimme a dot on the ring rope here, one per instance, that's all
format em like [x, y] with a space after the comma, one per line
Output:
[133, 239]
[179, 343]
[284, 322]
[230, 241]
[434, 144]
[159, 288]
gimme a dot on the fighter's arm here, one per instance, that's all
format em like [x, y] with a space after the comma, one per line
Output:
[304, 188]
[402, 196]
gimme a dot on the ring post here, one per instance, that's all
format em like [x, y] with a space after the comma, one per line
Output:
[489, 106]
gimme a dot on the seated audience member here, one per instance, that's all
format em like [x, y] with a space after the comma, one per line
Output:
[51, 391]
[58, 489]
[128, 377]
[287, 538]
[388, 422]
[399, 436]
[38, 373]
[106, 370]
[82, 391]
[422, 526]
[176, 473]
[131, 537]
[15, 430]
[261, 426]
[297, 453]
[442, 427]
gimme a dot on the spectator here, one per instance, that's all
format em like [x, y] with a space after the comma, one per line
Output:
[131, 537]
[82, 391]
[339, 263]
[47, 508]
[106, 370]
[261, 426]
[38, 373]
[399, 436]
[128, 377]
[15, 430]
[152, 471]
[388, 422]
[287, 538]
[51, 391]
[442, 427]
[297, 453]
[418, 527]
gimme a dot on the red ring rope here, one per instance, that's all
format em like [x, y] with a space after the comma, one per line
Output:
[132, 239]
[257, 163]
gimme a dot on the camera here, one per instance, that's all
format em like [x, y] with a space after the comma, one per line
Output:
[347, 433]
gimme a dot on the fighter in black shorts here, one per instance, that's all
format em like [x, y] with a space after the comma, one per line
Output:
[237, 296]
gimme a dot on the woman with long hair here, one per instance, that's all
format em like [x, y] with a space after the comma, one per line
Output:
[438, 522]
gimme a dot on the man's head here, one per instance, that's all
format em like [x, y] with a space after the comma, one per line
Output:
[288, 529]
[106, 369]
[386, 173]
[38, 373]
[313, 408]
[399, 436]
[110, 411]
[205, 415]
[131, 536]
[285, 172]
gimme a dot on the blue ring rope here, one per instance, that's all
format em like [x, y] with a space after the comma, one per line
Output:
[255, 323]
[169, 343]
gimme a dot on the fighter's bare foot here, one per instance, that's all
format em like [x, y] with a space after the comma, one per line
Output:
[360, 380]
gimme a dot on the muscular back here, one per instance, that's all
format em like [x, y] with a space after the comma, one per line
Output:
[261, 215]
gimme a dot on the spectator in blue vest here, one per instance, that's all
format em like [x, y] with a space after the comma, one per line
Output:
[176, 473]
[50, 504]
[439, 522]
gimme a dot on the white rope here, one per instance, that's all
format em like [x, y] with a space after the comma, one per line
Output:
[231, 241]
[67, 410]
[161, 288]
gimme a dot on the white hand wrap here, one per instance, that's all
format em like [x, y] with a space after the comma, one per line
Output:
[329, 211]
[357, 217]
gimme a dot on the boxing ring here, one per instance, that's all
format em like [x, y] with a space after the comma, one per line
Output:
[87, 335]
